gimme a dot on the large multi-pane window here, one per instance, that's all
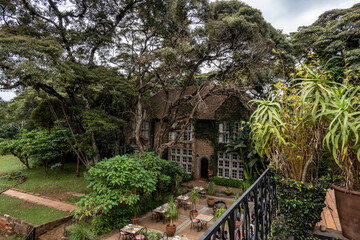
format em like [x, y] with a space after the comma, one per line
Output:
[186, 136]
[183, 157]
[144, 129]
[230, 166]
[225, 131]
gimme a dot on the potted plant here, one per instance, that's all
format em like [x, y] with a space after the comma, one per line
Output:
[173, 213]
[194, 196]
[135, 218]
[210, 190]
[228, 191]
[154, 235]
[342, 115]
[284, 127]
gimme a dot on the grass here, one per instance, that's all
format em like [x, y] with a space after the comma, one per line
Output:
[4, 183]
[35, 214]
[9, 163]
[63, 180]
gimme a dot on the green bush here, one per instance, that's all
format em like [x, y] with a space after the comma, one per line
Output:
[81, 231]
[300, 205]
[227, 182]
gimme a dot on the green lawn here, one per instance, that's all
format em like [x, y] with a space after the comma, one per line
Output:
[32, 213]
[10, 163]
[61, 180]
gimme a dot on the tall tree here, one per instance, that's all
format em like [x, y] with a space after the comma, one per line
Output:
[335, 34]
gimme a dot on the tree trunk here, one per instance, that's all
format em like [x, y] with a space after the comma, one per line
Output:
[138, 122]
[117, 144]
[77, 167]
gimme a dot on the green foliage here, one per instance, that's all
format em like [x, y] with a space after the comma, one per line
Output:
[114, 181]
[333, 34]
[16, 176]
[46, 113]
[210, 188]
[300, 204]
[81, 231]
[152, 235]
[194, 196]
[128, 181]
[219, 212]
[229, 182]
[172, 211]
[115, 219]
[9, 163]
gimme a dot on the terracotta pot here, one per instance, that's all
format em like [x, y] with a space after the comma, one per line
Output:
[194, 213]
[347, 204]
[170, 230]
[210, 202]
[134, 220]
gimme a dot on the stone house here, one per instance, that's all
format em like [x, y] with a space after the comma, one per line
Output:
[202, 147]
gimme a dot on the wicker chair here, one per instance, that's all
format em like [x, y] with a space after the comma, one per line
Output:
[194, 222]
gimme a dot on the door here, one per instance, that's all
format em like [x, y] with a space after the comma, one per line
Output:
[204, 168]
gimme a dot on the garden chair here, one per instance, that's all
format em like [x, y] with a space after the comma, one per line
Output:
[155, 215]
[194, 222]
[123, 235]
[141, 235]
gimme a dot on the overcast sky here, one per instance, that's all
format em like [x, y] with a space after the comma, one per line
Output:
[286, 15]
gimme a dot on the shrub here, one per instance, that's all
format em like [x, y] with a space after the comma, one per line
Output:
[292, 196]
[81, 231]
[154, 235]
[210, 188]
[228, 182]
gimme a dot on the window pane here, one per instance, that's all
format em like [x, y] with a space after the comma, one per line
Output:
[226, 156]
[173, 150]
[221, 155]
[221, 163]
[178, 158]
[226, 172]
[178, 151]
[184, 166]
[234, 164]
[184, 151]
[221, 126]
[190, 159]
[241, 175]
[189, 168]
[184, 159]
[221, 138]
[172, 158]
[220, 172]
[190, 152]
[227, 129]
[227, 164]
[234, 156]
[234, 174]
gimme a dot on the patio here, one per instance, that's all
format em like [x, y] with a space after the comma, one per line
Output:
[183, 223]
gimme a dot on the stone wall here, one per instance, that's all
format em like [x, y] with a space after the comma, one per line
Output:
[9, 223]
[18, 226]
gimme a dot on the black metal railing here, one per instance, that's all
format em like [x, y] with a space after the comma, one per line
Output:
[250, 216]
[31, 235]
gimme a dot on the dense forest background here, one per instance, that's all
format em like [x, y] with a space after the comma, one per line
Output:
[84, 70]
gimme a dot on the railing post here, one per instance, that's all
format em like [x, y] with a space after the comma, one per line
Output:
[255, 222]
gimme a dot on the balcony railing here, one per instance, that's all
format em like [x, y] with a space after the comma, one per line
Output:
[250, 216]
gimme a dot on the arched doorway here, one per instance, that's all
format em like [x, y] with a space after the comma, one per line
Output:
[204, 168]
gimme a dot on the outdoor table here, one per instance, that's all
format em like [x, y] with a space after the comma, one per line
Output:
[183, 197]
[204, 219]
[131, 229]
[162, 209]
[179, 238]
[199, 188]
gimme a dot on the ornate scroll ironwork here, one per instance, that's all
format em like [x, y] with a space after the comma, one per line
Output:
[250, 216]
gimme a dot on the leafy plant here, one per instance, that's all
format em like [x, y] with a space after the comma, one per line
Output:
[227, 182]
[228, 191]
[219, 212]
[194, 196]
[210, 188]
[80, 231]
[172, 211]
[292, 196]
[152, 235]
